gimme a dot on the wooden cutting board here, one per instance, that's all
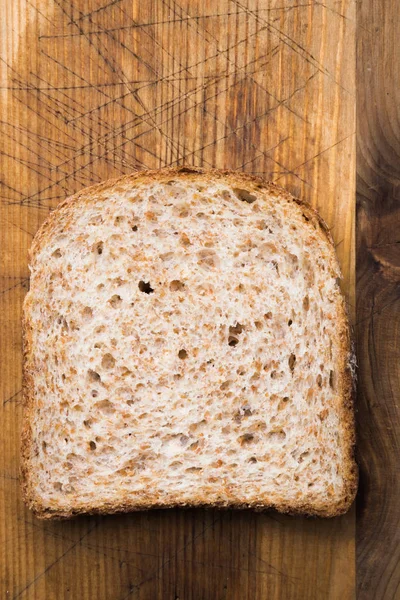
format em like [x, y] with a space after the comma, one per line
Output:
[90, 90]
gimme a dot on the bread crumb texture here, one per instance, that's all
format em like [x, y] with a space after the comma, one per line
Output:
[186, 343]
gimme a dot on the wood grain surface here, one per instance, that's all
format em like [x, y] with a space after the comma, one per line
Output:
[378, 299]
[91, 89]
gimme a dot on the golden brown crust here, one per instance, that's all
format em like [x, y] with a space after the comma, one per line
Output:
[27, 394]
[346, 378]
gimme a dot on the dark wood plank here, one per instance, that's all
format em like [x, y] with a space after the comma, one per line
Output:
[378, 299]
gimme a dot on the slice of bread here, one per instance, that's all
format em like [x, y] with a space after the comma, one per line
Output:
[186, 343]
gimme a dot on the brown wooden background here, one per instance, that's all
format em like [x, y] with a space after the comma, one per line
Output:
[90, 89]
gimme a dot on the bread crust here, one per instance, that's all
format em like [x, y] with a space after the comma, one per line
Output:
[346, 379]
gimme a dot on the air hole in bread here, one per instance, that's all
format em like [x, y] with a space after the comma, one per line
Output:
[268, 315]
[167, 256]
[292, 361]
[197, 426]
[115, 300]
[105, 406]
[182, 354]
[283, 403]
[184, 240]
[246, 438]
[57, 486]
[134, 228]
[194, 446]
[306, 303]
[290, 322]
[319, 380]
[57, 253]
[94, 393]
[145, 287]
[44, 446]
[234, 332]
[119, 219]
[99, 248]
[87, 313]
[176, 285]
[92, 445]
[252, 459]
[175, 464]
[323, 414]
[93, 376]
[303, 455]
[63, 322]
[225, 385]
[244, 195]
[72, 457]
[193, 469]
[258, 324]
[306, 218]
[108, 361]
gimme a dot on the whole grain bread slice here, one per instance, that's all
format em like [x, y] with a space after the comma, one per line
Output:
[186, 343]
